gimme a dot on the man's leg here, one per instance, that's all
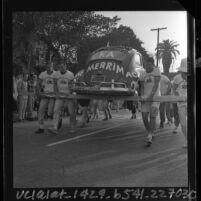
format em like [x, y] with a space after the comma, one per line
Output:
[51, 107]
[84, 116]
[153, 115]
[105, 104]
[176, 114]
[41, 113]
[162, 114]
[176, 117]
[145, 116]
[167, 112]
[183, 119]
[72, 113]
[109, 110]
[24, 107]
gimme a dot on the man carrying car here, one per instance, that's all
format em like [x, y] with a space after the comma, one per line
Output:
[63, 79]
[45, 84]
[149, 87]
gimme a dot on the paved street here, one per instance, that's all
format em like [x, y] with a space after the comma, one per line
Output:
[103, 154]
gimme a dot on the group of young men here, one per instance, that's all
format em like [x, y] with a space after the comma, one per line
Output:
[151, 83]
[51, 81]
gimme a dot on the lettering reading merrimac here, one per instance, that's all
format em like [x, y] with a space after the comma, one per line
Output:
[110, 66]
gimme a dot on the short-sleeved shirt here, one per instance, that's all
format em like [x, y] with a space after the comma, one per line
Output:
[63, 81]
[47, 81]
[148, 79]
[181, 89]
[182, 85]
[164, 81]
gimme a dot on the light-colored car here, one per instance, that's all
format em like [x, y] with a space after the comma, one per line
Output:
[110, 71]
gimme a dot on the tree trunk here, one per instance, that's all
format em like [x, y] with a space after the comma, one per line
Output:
[166, 64]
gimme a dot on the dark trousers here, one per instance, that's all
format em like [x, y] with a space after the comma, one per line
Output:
[176, 114]
[169, 111]
[162, 112]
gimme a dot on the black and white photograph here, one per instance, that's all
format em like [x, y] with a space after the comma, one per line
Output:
[101, 99]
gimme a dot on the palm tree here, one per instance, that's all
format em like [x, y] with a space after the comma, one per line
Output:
[167, 52]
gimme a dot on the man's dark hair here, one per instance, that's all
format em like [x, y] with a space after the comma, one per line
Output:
[149, 60]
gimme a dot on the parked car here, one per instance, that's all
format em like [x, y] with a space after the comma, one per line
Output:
[110, 71]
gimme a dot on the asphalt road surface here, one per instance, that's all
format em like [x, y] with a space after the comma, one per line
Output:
[103, 154]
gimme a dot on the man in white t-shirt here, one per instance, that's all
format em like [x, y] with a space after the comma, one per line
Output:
[149, 87]
[180, 89]
[63, 78]
[45, 84]
[165, 89]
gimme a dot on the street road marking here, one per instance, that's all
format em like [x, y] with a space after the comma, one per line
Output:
[81, 136]
[123, 135]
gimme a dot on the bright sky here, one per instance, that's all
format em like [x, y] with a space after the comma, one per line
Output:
[143, 21]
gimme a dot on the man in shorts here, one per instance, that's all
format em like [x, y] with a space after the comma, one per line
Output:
[45, 84]
[63, 79]
[150, 87]
[180, 89]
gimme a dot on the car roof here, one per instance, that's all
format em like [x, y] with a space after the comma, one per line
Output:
[120, 48]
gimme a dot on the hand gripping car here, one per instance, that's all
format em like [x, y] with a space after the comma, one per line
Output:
[110, 71]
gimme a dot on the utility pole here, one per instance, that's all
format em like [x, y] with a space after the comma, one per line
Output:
[158, 29]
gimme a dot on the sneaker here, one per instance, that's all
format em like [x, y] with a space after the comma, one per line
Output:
[59, 124]
[53, 130]
[149, 138]
[40, 130]
[175, 129]
[105, 119]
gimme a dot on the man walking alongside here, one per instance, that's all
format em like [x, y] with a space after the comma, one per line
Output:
[150, 87]
[180, 89]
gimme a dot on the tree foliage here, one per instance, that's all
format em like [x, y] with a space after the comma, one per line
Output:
[71, 35]
[167, 52]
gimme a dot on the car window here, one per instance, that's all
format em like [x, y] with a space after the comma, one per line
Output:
[137, 59]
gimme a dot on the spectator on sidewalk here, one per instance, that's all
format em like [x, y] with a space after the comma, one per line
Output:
[45, 84]
[31, 99]
[22, 89]
[180, 89]
[149, 87]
